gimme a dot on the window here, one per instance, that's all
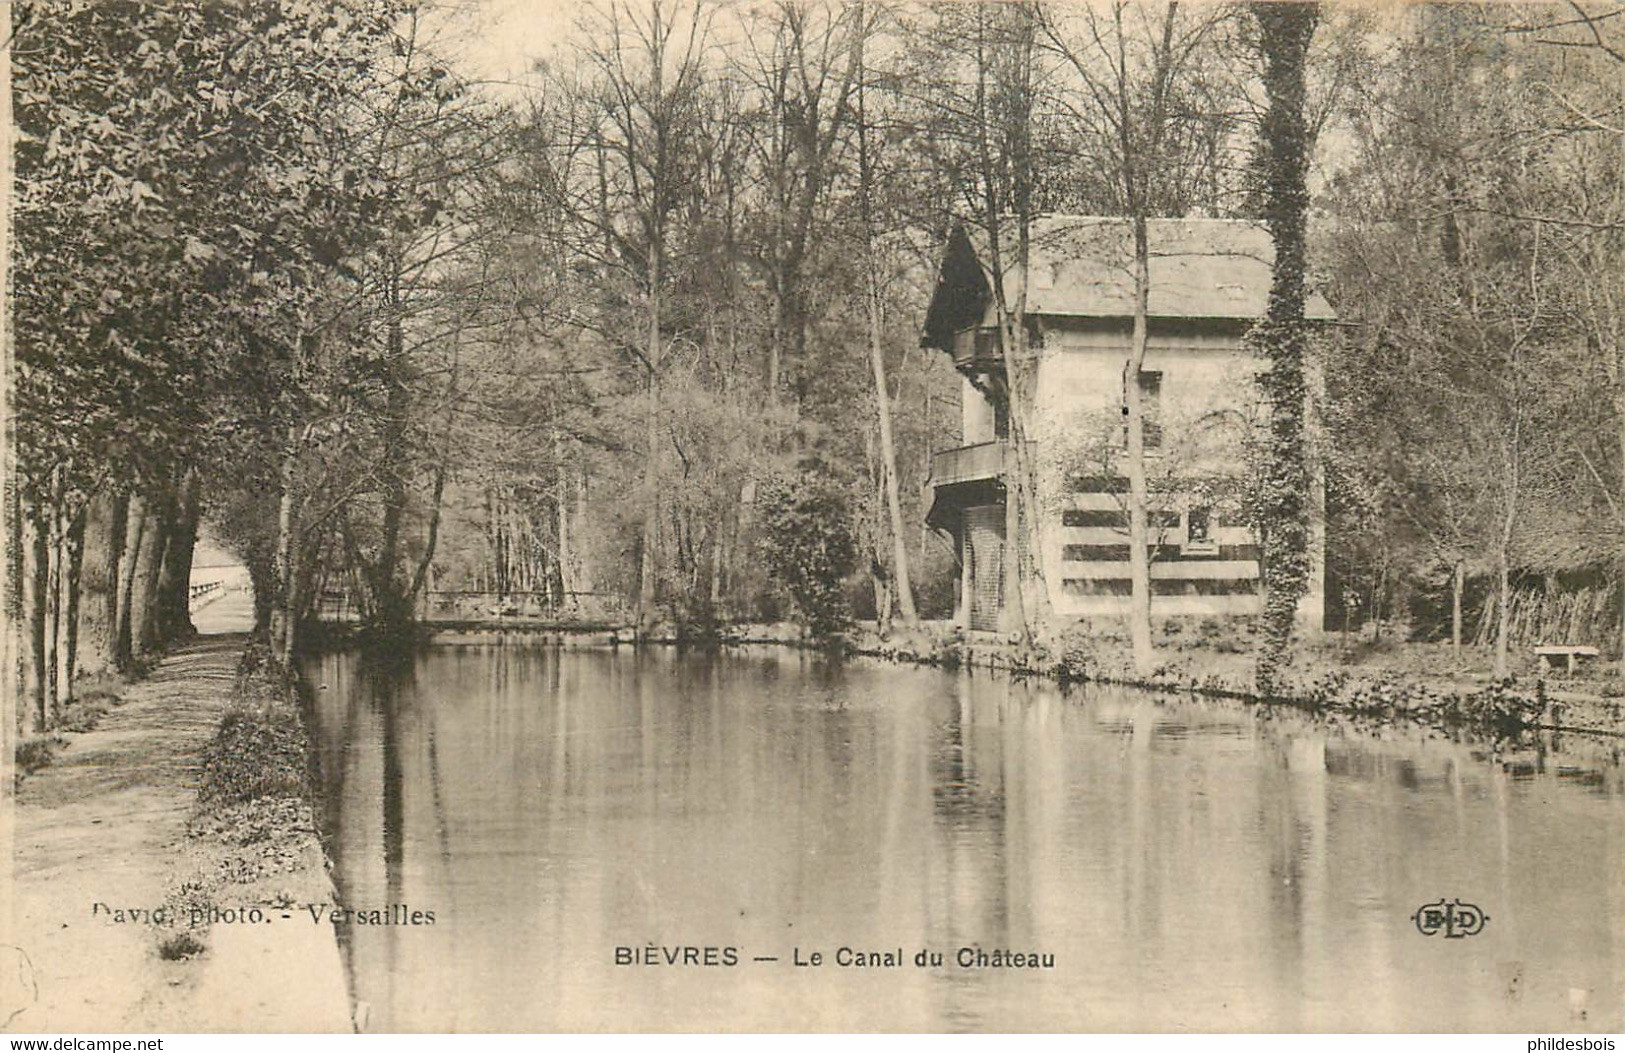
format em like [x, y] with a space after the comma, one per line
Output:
[988, 345]
[1150, 409]
[1199, 530]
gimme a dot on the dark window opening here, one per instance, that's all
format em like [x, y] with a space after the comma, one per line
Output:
[1084, 517]
[1150, 410]
[987, 344]
[1198, 526]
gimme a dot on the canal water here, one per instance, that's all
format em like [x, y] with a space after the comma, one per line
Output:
[1185, 865]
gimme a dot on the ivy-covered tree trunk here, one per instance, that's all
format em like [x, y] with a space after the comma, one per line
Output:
[1285, 30]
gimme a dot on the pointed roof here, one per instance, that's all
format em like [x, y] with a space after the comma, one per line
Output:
[1083, 268]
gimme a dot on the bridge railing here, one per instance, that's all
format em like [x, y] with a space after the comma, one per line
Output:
[475, 604]
[480, 605]
[200, 592]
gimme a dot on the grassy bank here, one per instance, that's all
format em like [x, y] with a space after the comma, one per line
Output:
[1424, 684]
[92, 700]
[252, 841]
[1367, 681]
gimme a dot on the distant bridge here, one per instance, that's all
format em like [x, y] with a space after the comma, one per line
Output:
[210, 583]
[472, 605]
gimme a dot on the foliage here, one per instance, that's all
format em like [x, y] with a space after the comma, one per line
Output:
[808, 545]
[1473, 415]
[35, 752]
[409, 336]
[1498, 710]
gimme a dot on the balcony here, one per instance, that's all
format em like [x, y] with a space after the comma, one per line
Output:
[977, 350]
[961, 478]
[967, 464]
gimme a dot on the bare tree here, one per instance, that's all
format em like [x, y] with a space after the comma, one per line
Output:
[1130, 61]
[650, 72]
[874, 304]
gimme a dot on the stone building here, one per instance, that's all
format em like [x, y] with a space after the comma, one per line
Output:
[1210, 282]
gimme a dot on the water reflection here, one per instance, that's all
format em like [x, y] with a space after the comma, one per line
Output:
[1190, 865]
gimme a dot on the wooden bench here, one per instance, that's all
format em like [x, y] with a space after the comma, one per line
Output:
[1548, 655]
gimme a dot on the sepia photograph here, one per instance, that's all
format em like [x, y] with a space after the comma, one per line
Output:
[812, 516]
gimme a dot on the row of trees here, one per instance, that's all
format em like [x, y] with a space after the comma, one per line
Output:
[230, 223]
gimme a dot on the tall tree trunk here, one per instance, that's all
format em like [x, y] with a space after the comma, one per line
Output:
[1285, 31]
[391, 604]
[1503, 558]
[888, 459]
[144, 634]
[883, 603]
[262, 579]
[135, 530]
[1026, 595]
[1139, 527]
[56, 518]
[647, 563]
[877, 357]
[718, 560]
[1503, 610]
[16, 585]
[11, 589]
[775, 354]
[1619, 367]
[583, 569]
[431, 537]
[284, 570]
[67, 635]
[174, 615]
[1458, 584]
[99, 603]
[36, 582]
[567, 555]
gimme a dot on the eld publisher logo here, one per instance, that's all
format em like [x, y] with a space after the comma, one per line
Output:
[1455, 919]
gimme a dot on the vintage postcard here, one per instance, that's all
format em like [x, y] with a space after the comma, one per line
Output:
[813, 516]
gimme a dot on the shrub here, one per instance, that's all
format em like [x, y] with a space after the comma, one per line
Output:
[808, 546]
[179, 946]
[36, 752]
[254, 755]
